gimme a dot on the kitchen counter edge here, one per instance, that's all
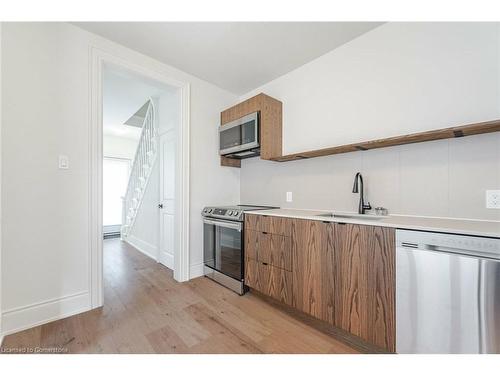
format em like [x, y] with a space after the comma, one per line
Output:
[468, 227]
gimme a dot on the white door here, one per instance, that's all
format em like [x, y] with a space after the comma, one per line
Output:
[167, 198]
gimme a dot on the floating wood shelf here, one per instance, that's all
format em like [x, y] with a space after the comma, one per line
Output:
[432, 135]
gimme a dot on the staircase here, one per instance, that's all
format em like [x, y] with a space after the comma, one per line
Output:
[142, 166]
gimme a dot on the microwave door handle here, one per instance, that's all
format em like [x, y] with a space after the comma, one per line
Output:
[223, 224]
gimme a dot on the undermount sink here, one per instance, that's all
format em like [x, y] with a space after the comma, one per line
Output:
[352, 216]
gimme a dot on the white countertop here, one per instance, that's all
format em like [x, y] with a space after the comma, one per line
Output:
[458, 226]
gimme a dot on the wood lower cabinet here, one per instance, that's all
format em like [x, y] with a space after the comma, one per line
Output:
[343, 274]
[269, 280]
[309, 246]
[269, 248]
[269, 224]
[364, 258]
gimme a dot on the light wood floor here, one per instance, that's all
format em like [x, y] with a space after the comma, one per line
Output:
[146, 311]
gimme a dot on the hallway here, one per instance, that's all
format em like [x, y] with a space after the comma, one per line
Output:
[146, 311]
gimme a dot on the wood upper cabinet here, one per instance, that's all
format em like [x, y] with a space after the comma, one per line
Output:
[270, 125]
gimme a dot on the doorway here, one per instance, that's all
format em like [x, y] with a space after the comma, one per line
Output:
[115, 172]
[159, 227]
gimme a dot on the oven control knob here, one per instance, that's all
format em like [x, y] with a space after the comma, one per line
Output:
[229, 213]
[236, 213]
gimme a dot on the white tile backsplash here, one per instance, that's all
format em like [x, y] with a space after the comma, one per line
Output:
[446, 178]
[423, 176]
[473, 169]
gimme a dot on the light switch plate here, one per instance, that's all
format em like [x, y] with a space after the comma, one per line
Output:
[493, 199]
[289, 197]
[63, 162]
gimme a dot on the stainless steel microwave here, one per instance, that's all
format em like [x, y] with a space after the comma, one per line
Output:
[239, 139]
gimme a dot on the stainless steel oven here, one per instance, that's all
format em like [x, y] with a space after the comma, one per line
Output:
[240, 138]
[223, 252]
[223, 244]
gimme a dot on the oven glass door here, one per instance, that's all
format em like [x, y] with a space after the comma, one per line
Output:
[223, 247]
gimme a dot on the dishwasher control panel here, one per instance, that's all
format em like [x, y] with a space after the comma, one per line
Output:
[456, 243]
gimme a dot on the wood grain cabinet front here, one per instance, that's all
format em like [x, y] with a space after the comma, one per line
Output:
[271, 281]
[269, 224]
[268, 256]
[364, 258]
[270, 117]
[343, 274]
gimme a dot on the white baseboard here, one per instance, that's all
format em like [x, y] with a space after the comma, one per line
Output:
[30, 316]
[195, 270]
[167, 260]
[144, 247]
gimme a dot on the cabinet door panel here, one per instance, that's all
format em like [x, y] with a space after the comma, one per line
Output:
[275, 250]
[309, 243]
[271, 281]
[280, 284]
[350, 298]
[256, 276]
[328, 272]
[380, 246]
[276, 225]
[252, 222]
[281, 252]
[365, 282]
[268, 224]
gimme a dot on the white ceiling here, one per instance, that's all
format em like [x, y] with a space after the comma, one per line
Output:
[123, 95]
[236, 56]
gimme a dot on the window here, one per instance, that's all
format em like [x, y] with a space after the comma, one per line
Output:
[115, 179]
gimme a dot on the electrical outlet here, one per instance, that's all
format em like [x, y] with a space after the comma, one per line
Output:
[289, 197]
[493, 199]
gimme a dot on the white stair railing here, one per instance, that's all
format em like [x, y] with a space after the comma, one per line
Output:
[142, 166]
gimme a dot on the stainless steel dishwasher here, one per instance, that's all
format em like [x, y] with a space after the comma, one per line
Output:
[447, 293]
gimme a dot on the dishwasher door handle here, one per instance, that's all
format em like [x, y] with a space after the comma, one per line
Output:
[464, 252]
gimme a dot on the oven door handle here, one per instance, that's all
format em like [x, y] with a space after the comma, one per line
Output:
[224, 224]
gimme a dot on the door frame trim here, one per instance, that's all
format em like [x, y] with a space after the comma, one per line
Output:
[98, 58]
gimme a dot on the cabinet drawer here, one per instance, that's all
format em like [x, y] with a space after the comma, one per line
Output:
[271, 281]
[272, 249]
[252, 243]
[275, 250]
[269, 224]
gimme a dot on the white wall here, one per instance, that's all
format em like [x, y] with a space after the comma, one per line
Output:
[119, 147]
[1, 152]
[398, 78]
[46, 112]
